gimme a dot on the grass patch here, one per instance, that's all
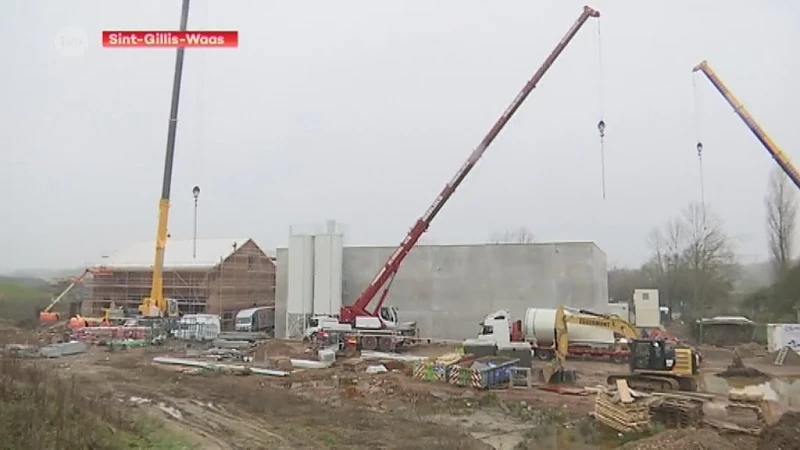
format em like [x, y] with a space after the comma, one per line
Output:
[19, 302]
[40, 410]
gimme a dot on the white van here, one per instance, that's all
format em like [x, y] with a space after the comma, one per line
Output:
[261, 318]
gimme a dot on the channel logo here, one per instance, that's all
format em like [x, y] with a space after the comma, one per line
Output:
[71, 42]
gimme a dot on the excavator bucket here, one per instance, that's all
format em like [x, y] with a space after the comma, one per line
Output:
[557, 374]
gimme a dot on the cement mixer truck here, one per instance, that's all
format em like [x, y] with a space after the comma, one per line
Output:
[537, 327]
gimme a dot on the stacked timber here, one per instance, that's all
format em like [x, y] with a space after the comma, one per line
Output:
[449, 359]
[746, 410]
[677, 412]
[623, 410]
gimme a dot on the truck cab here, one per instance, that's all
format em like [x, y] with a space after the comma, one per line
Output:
[496, 327]
[322, 323]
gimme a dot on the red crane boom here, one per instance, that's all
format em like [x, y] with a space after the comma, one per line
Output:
[384, 277]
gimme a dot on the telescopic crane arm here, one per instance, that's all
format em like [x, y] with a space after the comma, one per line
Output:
[385, 276]
[777, 154]
[156, 305]
[67, 290]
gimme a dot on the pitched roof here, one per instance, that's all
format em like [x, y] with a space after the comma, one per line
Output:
[178, 254]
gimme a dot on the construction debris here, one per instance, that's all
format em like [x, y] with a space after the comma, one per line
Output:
[684, 439]
[370, 355]
[677, 412]
[744, 412]
[623, 410]
[222, 343]
[22, 351]
[63, 349]
[309, 364]
[219, 367]
[380, 368]
[250, 336]
[737, 369]
[784, 435]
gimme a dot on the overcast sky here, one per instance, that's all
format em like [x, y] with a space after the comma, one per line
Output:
[360, 111]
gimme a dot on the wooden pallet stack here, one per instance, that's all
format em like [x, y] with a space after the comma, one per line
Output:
[621, 410]
[746, 410]
[676, 412]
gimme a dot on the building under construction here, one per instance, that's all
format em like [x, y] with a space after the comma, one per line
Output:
[216, 276]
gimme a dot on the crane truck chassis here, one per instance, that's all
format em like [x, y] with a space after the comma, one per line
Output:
[327, 331]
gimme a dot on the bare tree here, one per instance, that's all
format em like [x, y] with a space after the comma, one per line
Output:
[709, 256]
[521, 235]
[693, 262]
[622, 281]
[666, 268]
[781, 204]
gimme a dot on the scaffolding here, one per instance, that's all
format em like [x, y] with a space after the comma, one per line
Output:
[244, 279]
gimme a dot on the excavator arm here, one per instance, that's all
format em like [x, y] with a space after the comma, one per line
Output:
[774, 150]
[587, 318]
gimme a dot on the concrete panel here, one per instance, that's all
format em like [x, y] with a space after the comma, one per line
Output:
[281, 282]
[449, 289]
[328, 257]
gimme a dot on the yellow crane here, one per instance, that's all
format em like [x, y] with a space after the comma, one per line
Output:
[777, 154]
[655, 364]
[156, 305]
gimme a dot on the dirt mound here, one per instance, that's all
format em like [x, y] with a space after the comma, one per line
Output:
[685, 439]
[277, 348]
[784, 435]
[792, 358]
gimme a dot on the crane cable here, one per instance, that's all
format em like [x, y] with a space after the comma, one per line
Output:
[601, 125]
[698, 112]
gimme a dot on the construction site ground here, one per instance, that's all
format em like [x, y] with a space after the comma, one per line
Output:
[345, 407]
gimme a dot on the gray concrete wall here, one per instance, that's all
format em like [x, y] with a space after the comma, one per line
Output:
[449, 289]
[281, 290]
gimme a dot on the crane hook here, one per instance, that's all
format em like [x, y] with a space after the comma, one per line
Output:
[699, 149]
[601, 127]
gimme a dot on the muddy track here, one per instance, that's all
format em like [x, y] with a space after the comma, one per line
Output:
[229, 412]
[222, 430]
[216, 426]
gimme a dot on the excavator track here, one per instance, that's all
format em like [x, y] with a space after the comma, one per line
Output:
[654, 383]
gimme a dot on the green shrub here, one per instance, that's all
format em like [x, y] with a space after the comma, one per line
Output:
[40, 410]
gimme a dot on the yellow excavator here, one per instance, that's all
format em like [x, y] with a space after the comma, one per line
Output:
[655, 364]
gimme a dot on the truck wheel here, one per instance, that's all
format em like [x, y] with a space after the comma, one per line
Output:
[369, 343]
[386, 344]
